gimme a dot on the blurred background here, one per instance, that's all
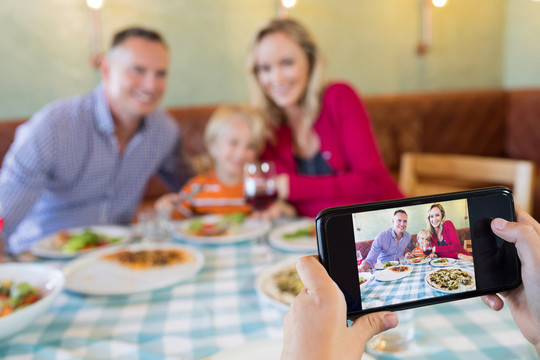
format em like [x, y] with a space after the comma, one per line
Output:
[476, 44]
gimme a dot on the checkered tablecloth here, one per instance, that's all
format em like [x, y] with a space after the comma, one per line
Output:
[411, 287]
[220, 309]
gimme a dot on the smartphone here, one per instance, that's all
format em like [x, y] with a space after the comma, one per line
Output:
[459, 257]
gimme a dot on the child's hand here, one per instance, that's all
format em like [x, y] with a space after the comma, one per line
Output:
[167, 202]
[279, 208]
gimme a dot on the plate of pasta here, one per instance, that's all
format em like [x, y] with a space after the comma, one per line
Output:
[134, 268]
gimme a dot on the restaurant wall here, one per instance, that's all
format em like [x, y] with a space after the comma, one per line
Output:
[45, 46]
[522, 48]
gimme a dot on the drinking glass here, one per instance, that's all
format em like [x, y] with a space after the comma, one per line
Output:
[427, 249]
[260, 184]
[397, 339]
[260, 192]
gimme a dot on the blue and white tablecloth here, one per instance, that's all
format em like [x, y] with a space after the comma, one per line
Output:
[219, 309]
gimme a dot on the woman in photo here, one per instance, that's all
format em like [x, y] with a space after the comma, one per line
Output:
[444, 238]
[322, 144]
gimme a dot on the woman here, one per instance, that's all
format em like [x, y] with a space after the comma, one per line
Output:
[323, 144]
[444, 237]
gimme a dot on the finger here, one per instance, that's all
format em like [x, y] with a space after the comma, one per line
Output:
[493, 301]
[523, 217]
[523, 234]
[370, 325]
[314, 275]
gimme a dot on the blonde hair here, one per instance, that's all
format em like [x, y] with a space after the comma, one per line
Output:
[219, 119]
[311, 98]
[433, 231]
[423, 231]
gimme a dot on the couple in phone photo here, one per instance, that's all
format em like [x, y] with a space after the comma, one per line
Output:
[441, 239]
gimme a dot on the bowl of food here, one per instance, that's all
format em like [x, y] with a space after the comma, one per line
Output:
[26, 292]
[279, 284]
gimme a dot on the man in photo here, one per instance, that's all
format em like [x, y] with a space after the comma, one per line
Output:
[390, 244]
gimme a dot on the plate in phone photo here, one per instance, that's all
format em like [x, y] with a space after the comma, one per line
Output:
[386, 264]
[443, 262]
[364, 278]
[394, 273]
[418, 260]
[444, 280]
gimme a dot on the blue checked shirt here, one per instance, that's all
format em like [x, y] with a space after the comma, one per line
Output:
[386, 248]
[64, 170]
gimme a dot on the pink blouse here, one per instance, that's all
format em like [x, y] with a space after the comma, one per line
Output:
[348, 145]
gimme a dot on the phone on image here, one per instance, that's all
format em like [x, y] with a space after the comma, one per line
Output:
[446, 250]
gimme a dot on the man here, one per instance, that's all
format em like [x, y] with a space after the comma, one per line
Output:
[316, 326]
[390, 244]
[86, 160]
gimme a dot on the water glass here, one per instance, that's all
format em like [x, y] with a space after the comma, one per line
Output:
[397, 339]
[154, 225]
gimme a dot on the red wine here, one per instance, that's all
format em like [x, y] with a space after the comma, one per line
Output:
[427, 252]
[261, 201]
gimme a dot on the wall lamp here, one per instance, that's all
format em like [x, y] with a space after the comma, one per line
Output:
[96, 51]
[426, 37]
[284, 6]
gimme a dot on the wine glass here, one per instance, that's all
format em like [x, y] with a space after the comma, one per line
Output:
[427, 249]
[260, 192]
[260, 184]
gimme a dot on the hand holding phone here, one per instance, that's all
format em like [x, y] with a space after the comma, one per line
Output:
[451, 222]
[523, 301]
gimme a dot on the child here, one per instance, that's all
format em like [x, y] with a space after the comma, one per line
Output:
[423, 239]
[235, 135]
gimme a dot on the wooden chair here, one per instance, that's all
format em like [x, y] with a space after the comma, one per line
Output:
[427, 174]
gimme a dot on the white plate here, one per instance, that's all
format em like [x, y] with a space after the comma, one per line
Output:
[267, 349]
[473, 287]
[93, 275]
[366, 275]
[248, 230]
[47, 249]
[388, 275]
[378, 266]
[448, 263]
[266, 286]
[277, 238]
[425, 260]
[50, 282]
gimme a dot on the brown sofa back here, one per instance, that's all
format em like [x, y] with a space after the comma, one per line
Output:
[464, 235]
[488, 122]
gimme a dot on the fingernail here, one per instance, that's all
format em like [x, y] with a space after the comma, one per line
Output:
[499, 223]
[390, 321]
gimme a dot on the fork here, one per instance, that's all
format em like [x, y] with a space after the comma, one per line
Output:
[177, 203]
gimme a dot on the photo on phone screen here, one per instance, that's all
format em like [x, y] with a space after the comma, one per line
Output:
[405, 253]
[433, 256]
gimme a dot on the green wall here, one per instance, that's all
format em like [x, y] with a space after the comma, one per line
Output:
[522, 55]
[369, 225]
[45, 45]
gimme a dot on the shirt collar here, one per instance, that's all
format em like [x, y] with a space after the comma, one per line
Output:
[103, 117]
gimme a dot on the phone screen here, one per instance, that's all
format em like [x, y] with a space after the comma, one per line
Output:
[420, 251]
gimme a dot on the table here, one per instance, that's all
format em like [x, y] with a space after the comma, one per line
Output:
[220, 309]
[410, 288]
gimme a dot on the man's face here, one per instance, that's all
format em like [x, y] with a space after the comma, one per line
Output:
[135, 77]
[399, 223]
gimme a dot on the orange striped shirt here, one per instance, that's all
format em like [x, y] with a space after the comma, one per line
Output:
[215, 197]
[417, 252]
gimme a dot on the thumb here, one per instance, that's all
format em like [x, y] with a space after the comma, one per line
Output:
[372, 324]
[523, 234]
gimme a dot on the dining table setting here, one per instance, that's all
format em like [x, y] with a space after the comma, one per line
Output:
[209, 288]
